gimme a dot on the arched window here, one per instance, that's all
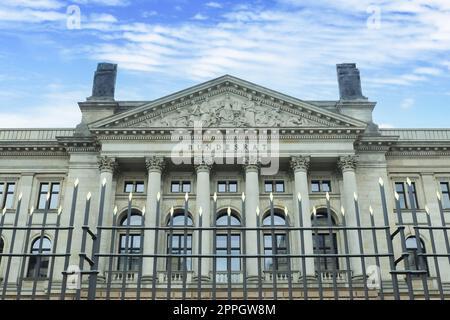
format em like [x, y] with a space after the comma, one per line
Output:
[416, 262]
[278, 242]
[228, 242]
[134, 242]
[178, 242]
[324, 243]
[39, 264]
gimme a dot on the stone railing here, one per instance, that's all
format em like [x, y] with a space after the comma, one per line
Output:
[328, 275]
[130, 276]
[176, 277]
[282, 276]
[236, 277]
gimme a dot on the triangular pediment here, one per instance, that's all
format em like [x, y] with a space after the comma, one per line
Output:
[227, 102]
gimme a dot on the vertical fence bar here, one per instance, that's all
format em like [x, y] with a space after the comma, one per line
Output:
[84, 239]
[418, 239]
[375, 249]
[125, 258]
[69, 240]
[435, 258]
[186, 198]
[96, 246]
[214, 276]
[389, 241]
[41, 241]
[11, 247]
[443, 223]
[169, 260]
[155, 250]
[361, 246]
[229, 253]
[403, 244]
[53, 258]
[244, 248]
[199, 275]
[24, 258]
[330, 231]
[288, 253]
[302, 247]
[274, 249]
[111, 252]
[318, 256]
[347, 258]
[258, 247]
[141, 252]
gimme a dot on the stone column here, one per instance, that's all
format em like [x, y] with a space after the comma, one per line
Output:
[300, 166]
[251, 203]
[107, 168]
[155, 166]
[203, 200]
[347, 165]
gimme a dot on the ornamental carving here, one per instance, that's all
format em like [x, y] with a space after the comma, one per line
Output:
[107, 164]
[347, 163]
[155, 163]
[300, 163]
[203, 167]
[227, 111]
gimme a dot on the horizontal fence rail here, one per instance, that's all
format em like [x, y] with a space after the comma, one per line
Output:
[246, 255]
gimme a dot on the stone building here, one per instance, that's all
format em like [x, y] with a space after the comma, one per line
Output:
[314, 148]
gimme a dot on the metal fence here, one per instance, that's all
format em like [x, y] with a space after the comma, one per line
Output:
[122, 271]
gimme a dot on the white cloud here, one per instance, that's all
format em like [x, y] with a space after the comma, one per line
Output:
[428, 71]
[386, 126]
[407, 103]
[148, 14]
[34, 4]
[199, 16]
[111, 3]
[213, 4]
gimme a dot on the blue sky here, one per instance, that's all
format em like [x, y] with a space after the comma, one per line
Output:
[47, 60]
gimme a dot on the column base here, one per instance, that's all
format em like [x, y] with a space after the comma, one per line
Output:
[203, 278]
[254, 279]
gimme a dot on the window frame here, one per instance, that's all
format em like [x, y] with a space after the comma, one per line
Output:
[227, 184]
[181, 186]
[277, 232]
[6, 195]
[43, 260]
[445, 194]
[179, 234]
[133, 234]
[273, 185]
[404, 195]
[134, 184]
[43, 196]
[320, 183]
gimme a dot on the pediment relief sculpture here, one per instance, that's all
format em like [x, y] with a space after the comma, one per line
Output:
[228, 111]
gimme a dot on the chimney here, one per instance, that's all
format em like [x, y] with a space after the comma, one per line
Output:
[104, 82]
[349, 82]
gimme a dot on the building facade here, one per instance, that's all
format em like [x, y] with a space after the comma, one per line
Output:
[262, 193]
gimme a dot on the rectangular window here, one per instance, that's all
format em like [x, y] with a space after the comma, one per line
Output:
[186, 186]
[175, 187]
[134, 246]
[278, 264]
[180, 186]
[445, 190]
[320, 186]
[221, 249]
[134, 186]
[7, 194]
[326, 245]
[52, 188]
[274, 186]
[227, 186]
[400, 189]
[178, 249]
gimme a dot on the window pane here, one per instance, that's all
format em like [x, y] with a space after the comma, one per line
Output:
[326, 186]
[42, 200]
[11, 187]
[139, 187]
[9, 201]
[399, 187]
[232, 186]
[186, 186]
[175, 187]
[1, 188]
[268, 186]
[279, 187]
[444, 187]
[55, 187]
[221, 187]
[315, 186]
[277, 220]
[221, 241]
[235, 241]
[54, 201]
[44, 187]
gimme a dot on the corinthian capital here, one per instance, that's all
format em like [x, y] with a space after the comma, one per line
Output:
[107, 164]
[300, 163]
[347, 162]
[155, 163]
[203, 167]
